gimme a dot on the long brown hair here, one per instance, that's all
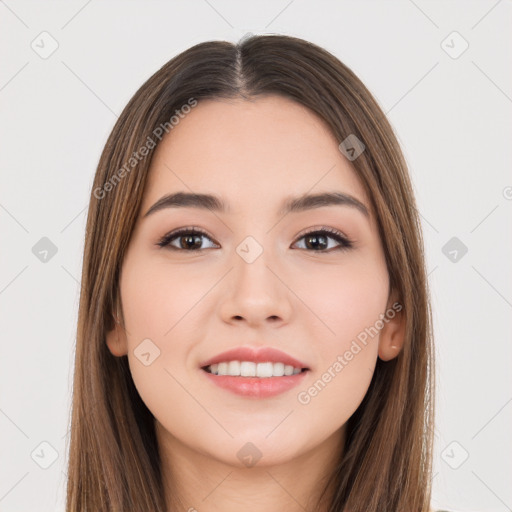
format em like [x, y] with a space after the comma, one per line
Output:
[114, 462]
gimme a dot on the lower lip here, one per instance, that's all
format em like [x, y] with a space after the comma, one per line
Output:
[256, 387]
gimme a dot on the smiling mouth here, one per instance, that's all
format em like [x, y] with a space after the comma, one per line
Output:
[253, 380]
[245, 369]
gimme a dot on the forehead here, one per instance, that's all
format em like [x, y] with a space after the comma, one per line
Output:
[252, 153]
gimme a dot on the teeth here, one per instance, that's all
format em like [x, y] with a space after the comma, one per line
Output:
[250, 369]
[233, 368]
[247, 369]
[288, 370]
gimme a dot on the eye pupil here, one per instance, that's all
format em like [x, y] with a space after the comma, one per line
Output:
[192, 241]
[316, 242]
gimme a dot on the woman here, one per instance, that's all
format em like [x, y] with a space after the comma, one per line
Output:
[254, 324]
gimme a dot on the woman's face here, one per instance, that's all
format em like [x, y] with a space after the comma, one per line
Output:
[254, 279]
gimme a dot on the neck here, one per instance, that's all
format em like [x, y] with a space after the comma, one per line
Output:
[195, 480]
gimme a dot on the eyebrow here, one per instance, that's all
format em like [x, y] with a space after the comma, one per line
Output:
[290, 205]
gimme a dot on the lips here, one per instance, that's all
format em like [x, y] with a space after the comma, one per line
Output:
[256, 355]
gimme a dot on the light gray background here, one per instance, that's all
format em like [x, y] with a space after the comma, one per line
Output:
[452, 117]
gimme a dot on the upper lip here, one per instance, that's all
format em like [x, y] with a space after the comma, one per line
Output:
[256, 355]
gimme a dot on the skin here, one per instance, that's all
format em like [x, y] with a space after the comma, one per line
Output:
[194, 305]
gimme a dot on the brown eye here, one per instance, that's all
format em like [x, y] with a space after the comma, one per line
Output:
[317, 241]
[189, 239]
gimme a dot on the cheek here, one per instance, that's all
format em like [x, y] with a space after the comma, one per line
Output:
[158, 304]
[344, 300]
[159, 300]
[348, 301]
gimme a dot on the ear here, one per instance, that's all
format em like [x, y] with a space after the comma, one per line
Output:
[116, 339]
[392, 335]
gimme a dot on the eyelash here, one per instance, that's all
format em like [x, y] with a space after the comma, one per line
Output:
[330, 232]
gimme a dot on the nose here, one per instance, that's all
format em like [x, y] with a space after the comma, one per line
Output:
[256, 292]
